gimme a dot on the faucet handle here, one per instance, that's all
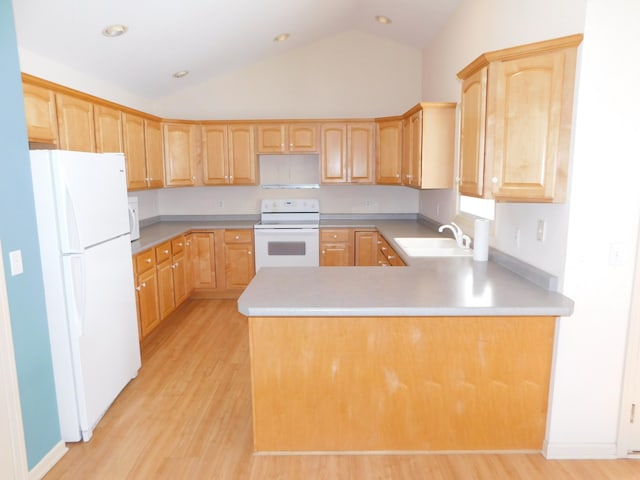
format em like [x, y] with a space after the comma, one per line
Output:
[466, 241]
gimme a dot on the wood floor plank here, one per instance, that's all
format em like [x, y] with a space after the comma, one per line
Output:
[188, 416]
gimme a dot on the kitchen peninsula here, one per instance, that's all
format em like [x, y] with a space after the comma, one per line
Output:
[445, 354]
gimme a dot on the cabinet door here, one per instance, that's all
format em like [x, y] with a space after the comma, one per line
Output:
[40, 110]
[179, 267]
[528, 125]
[148, 305]
[75, 123]
[134, 151]
[472, 134]
[108, 126]
[189, 260]
[333, 156]
[389, 152]
[303, 137]
[413, 163]
[204, 274]
[360, 152]
[239, 265]
[215, 150]
[179, 154]
[166, 300]
[153, 153]
[366, 249]
[242, 154]
[272, 138]
[238, 258]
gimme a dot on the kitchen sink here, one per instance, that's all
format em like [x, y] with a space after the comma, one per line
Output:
[431, 247]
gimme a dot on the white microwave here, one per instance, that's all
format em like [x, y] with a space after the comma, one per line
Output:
[134, 220]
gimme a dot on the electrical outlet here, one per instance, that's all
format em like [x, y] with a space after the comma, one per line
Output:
[437, 209]
[15, 258]
[516, 238]
[541, 230]
[220, 203]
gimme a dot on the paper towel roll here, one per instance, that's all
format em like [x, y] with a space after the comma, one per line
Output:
[481, 240]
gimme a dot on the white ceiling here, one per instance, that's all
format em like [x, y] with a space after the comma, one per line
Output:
[207, 37]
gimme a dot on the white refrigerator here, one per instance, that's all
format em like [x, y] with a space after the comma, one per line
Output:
[83, 229]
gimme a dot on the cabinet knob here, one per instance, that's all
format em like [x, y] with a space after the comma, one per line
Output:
[237, 237]
[494, 179]
[166, 251]
[148, 260]
[384, 249]
[249, 252]
[180, 244]
[335, 236]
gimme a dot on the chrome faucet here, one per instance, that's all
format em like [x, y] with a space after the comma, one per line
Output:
[463, 241]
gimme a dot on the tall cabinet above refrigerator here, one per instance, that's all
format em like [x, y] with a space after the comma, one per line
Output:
[83, 229]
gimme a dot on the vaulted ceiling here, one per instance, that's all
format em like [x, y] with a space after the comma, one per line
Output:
[206, 37]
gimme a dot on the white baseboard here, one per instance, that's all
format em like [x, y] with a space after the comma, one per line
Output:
[579, 451]
[48, 461]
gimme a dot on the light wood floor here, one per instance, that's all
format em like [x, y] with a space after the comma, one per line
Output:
[188, 416]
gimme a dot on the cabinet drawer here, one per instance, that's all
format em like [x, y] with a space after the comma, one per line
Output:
[144, 261]
[163, 252]
[238, 236]
[177, 244]
[337, 235]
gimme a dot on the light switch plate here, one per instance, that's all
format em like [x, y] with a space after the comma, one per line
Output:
[15, 259]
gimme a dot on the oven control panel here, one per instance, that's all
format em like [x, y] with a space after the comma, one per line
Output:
[311, 205]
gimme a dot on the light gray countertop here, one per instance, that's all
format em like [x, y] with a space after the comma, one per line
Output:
[426, 287]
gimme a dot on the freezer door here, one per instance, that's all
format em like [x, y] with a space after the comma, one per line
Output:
[91, 197]
[103, 326]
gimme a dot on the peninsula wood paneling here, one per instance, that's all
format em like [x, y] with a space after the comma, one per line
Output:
[400, 383]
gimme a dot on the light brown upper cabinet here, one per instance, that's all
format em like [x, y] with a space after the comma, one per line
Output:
[75, 123]
[134, 149]
[153, 153]
[294, 137]
[229, 155]
[347, 152]
[428, 146]
[516, 117]
[108, 128]
[40, 110]
[389, 152]
[180, 153]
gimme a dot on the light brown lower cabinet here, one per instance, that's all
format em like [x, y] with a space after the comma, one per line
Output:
[214, 264]
[146, 292]
[336, 247]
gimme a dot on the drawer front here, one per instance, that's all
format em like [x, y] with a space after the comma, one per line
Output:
[163, 252]
[337, 235]
[177, 245]
[238, 236]
[144, 261]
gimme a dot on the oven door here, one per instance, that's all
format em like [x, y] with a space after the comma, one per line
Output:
[287, 247]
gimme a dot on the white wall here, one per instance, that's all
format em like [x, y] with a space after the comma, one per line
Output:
[603, 206]
[353, 74]
[39, 66]
[604, 213]
[364, 199]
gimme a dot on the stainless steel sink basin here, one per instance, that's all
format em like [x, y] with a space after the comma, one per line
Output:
[432, 247]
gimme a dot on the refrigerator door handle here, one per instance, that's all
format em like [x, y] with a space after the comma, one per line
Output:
[75, 275]
[71, 243]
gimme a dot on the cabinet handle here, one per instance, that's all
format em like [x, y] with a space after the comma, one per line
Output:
[389, 257]
[383, 249]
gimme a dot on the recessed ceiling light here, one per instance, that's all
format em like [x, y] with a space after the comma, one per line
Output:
[281, 38]
[383, 20]
[114, 30]
[181, 73]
